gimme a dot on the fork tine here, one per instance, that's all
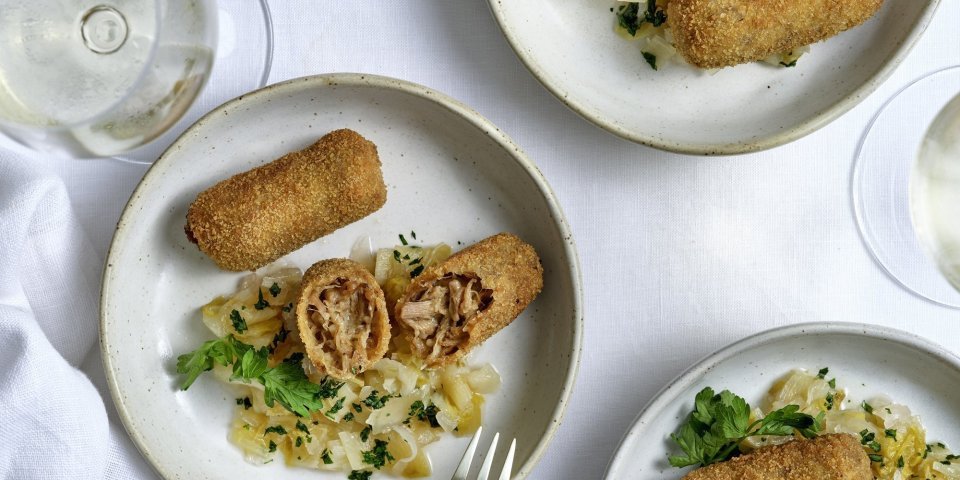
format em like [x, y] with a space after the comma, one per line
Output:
[464, 468]
[508, 463]
[488, 460]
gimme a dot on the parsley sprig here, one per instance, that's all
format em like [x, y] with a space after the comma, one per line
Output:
[285, 383]
[719, 422]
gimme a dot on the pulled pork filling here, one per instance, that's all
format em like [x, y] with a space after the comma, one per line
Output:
[440, 315]
[341, 320]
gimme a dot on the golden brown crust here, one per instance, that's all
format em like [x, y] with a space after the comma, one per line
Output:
[827, 457]
[258, 216]
[721, 33]
[506, 265]
[326, 273]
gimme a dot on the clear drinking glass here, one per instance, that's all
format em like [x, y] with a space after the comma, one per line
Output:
[96, 78]
[906, 187]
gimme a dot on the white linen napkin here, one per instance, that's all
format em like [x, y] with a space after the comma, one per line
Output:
[53, 420]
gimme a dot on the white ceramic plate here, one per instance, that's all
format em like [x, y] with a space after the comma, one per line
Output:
[868, 360]
[451, 176]
[571, 47]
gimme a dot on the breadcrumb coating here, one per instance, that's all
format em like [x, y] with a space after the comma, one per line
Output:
[506, 266]
[256, 217]
[721, 33]
[827, 457]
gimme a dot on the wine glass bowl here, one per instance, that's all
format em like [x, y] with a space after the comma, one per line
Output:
[906, 187]
[97, 77]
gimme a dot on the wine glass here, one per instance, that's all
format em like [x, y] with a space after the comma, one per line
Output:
[97, 78]
[906, 187]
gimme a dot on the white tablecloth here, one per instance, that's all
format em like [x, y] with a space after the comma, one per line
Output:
[681, 255]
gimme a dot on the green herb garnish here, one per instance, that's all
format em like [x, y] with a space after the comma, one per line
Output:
[335, 408]
[823, 373]
[378, 456]
[261, 303]
[274, 289]
[239, 324]
[375, 402]
[651, 59]
[359, 475]
[365, 433]
[719, 422]
[325, 456]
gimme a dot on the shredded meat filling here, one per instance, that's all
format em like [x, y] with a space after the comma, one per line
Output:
[441, 315]
[341, 319]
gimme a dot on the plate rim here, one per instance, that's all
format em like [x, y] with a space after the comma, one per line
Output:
[776, 139]
[696, 371]
[364, 80]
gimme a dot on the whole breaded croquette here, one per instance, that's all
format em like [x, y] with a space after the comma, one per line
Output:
[456, 305]
[721, 33]
[258, 216]
[827, 457]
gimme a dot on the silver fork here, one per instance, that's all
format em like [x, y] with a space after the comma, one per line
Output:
[464, 468]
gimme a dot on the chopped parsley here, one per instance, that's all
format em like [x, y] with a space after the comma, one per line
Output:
[335, 408]
[832, 383]
[359, 475]
[900, 462]
[302, 427]
[348, 417]
[425, 414]
[261, 303]
[245, 402]
[416, 271]
[651, 59]
[866, 407]
[830, 399]
[375, 402]
[413, 234]
[299, 442]
[378, 456]
[273, 446]
[630, 18]
[329, 387]
[396, 256]
[239, 324]
[823, 373]
[357, 407]
[719, 422]
[403, 241]
[278, 429]
[274, 289]
[365, 433]
[875, 458]
[890, 433]
[868, 439]
[325, 456]
[280, 337]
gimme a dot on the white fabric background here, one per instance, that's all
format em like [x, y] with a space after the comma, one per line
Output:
[681, 255]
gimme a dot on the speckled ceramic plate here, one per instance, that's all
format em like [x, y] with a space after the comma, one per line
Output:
[571, 47]
[867, 360]
[451, 176]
